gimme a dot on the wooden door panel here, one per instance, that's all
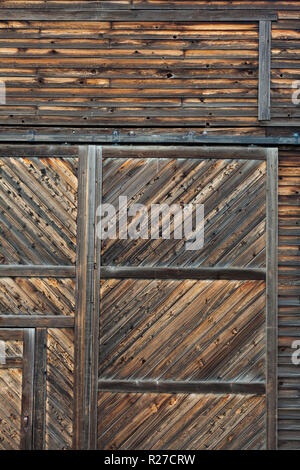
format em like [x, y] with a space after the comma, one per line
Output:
[38, 210]
[188, 339]
[181, 421]
[10, 408]
[182, 330]
[233, 194]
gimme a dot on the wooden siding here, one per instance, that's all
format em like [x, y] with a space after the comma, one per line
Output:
[288, 251]
[83, 63]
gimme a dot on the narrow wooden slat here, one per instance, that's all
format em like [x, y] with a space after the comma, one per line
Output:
[37, 271]
[264, 71]
[12, 363]
[244, 153]
[271, 297]
[150, 135]
[27, 389]
[36, 321]
[137, 15]
[87, 310]
[39, 402]
[128, 386]
[109, 272]
[39, 151]
[96, 318]
[10, 334]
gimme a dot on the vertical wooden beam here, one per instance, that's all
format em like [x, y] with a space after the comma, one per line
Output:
[96, 336]
[272, 297]
[39, 387]
[27, 389]
[87, 304]
[264, 74]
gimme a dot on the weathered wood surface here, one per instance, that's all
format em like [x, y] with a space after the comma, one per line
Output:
[10, 408]
[172, 330]
[99, 70]
[27, 390]
[269, 136]
[37, 296]
[87, 303]
[60, 388]
[233, 194]
[182, 152]
[271, 298]
[36, 321]
[182, 273]
[41, 271]
[288, 298]
[38, 210]
[200, 387]
[264, 96]
[39, 389]
[180, 421]
[155, 68]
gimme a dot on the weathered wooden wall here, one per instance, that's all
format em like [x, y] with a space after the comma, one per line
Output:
[64, 63]
[288, 251]
[69, 65]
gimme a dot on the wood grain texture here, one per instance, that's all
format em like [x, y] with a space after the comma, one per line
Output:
[39, 389]
[172, 330]
[233, 194]
[60, 383]
[38, 210]
[271, 297]
[98, 70]
[87, 304]
[26, 440]
[10, 408]
[36, 296]
[200, 387]
[83, 63]
[174, 422]
[288, 298]
[264, 98]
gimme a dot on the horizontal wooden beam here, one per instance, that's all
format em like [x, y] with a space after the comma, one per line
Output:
[39, 150]
[145, 386]
[36, 271]
[101, 14]
[55, 135]
[12, 363]
[10, 334]
[109, 272]
[154, 151]
[35, 321]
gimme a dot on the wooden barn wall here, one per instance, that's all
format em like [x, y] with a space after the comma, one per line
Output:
[64, 65]
[61, 72]
[288, 297]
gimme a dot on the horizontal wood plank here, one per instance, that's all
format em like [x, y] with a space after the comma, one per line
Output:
[127, 386]
[108, 272]
[36, 321]
[37, 271]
